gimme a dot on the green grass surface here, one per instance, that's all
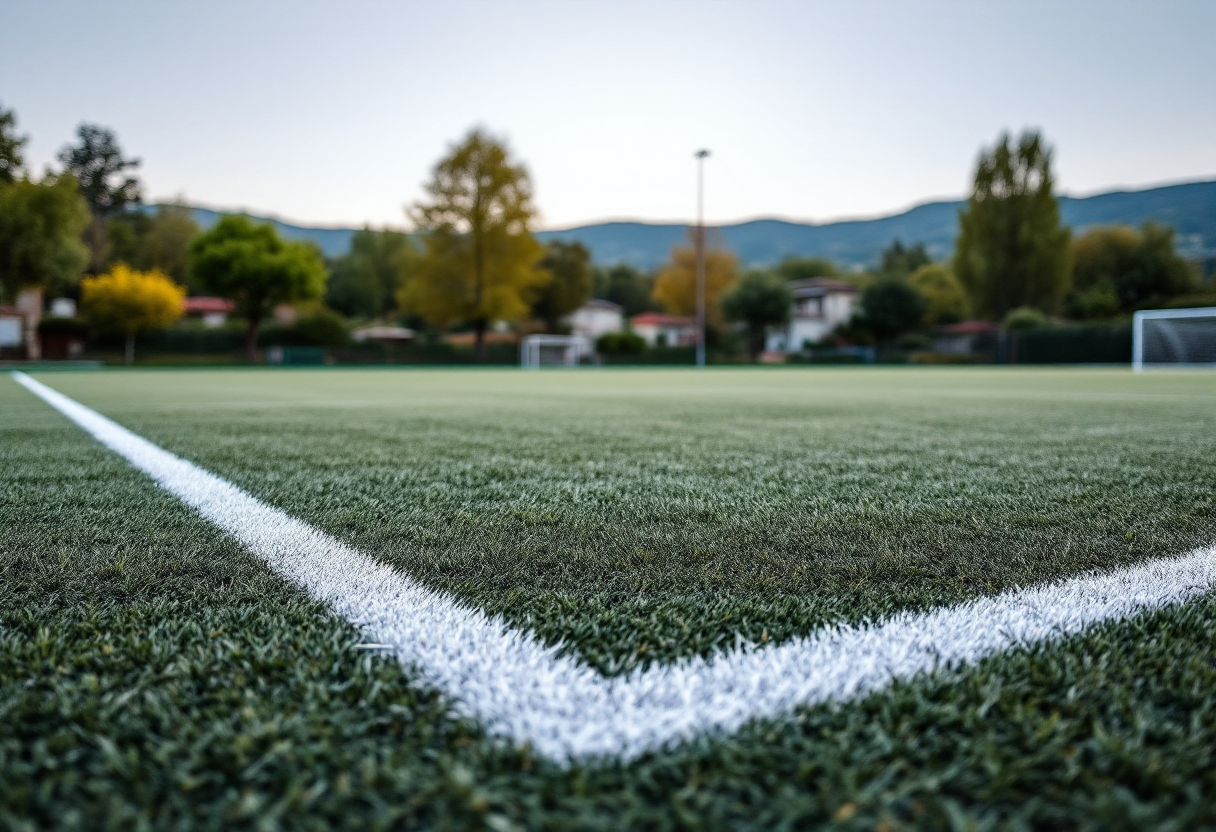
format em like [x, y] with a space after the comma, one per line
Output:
[640, 516]
[152, 672]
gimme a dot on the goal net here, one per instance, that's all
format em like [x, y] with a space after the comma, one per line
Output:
[1174, 338]
[537, 351]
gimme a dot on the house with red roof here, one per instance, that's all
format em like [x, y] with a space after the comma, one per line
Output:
[212, 311]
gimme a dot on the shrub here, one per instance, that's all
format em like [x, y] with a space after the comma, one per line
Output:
[318, 327]
[1025, 318]
[620, 343]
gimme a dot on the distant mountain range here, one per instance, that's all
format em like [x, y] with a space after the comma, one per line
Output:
[1190, 208]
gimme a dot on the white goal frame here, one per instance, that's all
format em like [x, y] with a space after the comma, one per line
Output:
[1138, 321]
[573, 349]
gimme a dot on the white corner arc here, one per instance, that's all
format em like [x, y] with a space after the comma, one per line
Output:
[521, 689]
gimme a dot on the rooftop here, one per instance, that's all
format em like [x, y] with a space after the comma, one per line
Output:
[205, 305]
[659, 319]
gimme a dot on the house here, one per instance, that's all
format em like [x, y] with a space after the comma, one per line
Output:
[659, 330]
[820, 305]
[595, 318]
[213, 311]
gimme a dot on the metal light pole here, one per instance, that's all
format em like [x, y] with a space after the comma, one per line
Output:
[700, 155]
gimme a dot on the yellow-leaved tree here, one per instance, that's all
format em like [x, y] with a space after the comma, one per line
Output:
[130, 302]
[675, 286]
[480, 262]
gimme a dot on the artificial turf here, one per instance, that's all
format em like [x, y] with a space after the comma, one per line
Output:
[642, 516]
[151, 671]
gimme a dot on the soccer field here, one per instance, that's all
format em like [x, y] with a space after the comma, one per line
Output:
[158, 670]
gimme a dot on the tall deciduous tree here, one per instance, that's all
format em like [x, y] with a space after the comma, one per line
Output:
[675, 287]
[131, 302]
[1122, 269]
[105, 183]
[250, 265]
[570, 281]
[480, 261]
[12, 163]
[760, 300]
[365, 280]
[40, 229]
[1011, 249]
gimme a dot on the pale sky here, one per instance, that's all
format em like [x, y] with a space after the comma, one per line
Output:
[335, 112]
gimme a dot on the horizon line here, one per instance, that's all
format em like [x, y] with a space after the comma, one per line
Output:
[344, 226]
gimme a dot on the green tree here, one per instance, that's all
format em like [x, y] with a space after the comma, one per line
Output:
[101, 171]
[166, 245]
[1012, 250]
[760, 300]
[40, 229]
[1121, 269]
[124, 236]
[159, 241]
[890, 307]
[365, 281]
[479, 260]
[12, 163]
[570, 282]
[900, 261]
[250, 265]
[945, 299]
[625, 285]
[131, 302]
[804, 268]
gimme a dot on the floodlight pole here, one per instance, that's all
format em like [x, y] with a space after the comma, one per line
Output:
[700, 155]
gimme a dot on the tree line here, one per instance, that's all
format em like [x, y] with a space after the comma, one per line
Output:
[472, 261]
[1014, 263]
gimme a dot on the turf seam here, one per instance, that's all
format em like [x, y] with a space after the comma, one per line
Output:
[519, 688]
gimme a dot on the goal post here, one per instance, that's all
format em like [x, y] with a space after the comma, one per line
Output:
[536, 351]
[1179, 338]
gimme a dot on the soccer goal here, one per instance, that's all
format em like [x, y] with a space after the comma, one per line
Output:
[1174, 338]
[537, 351]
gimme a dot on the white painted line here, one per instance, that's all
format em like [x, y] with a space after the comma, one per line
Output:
[521, 689]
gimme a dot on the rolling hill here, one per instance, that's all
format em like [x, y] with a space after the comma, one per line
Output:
[1190, 208]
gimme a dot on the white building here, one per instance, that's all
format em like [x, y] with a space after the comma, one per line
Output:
[12, 332]
[595, 318]
[820, 305]
[659, 330]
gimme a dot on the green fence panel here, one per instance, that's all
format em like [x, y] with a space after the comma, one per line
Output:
[1090, 344]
